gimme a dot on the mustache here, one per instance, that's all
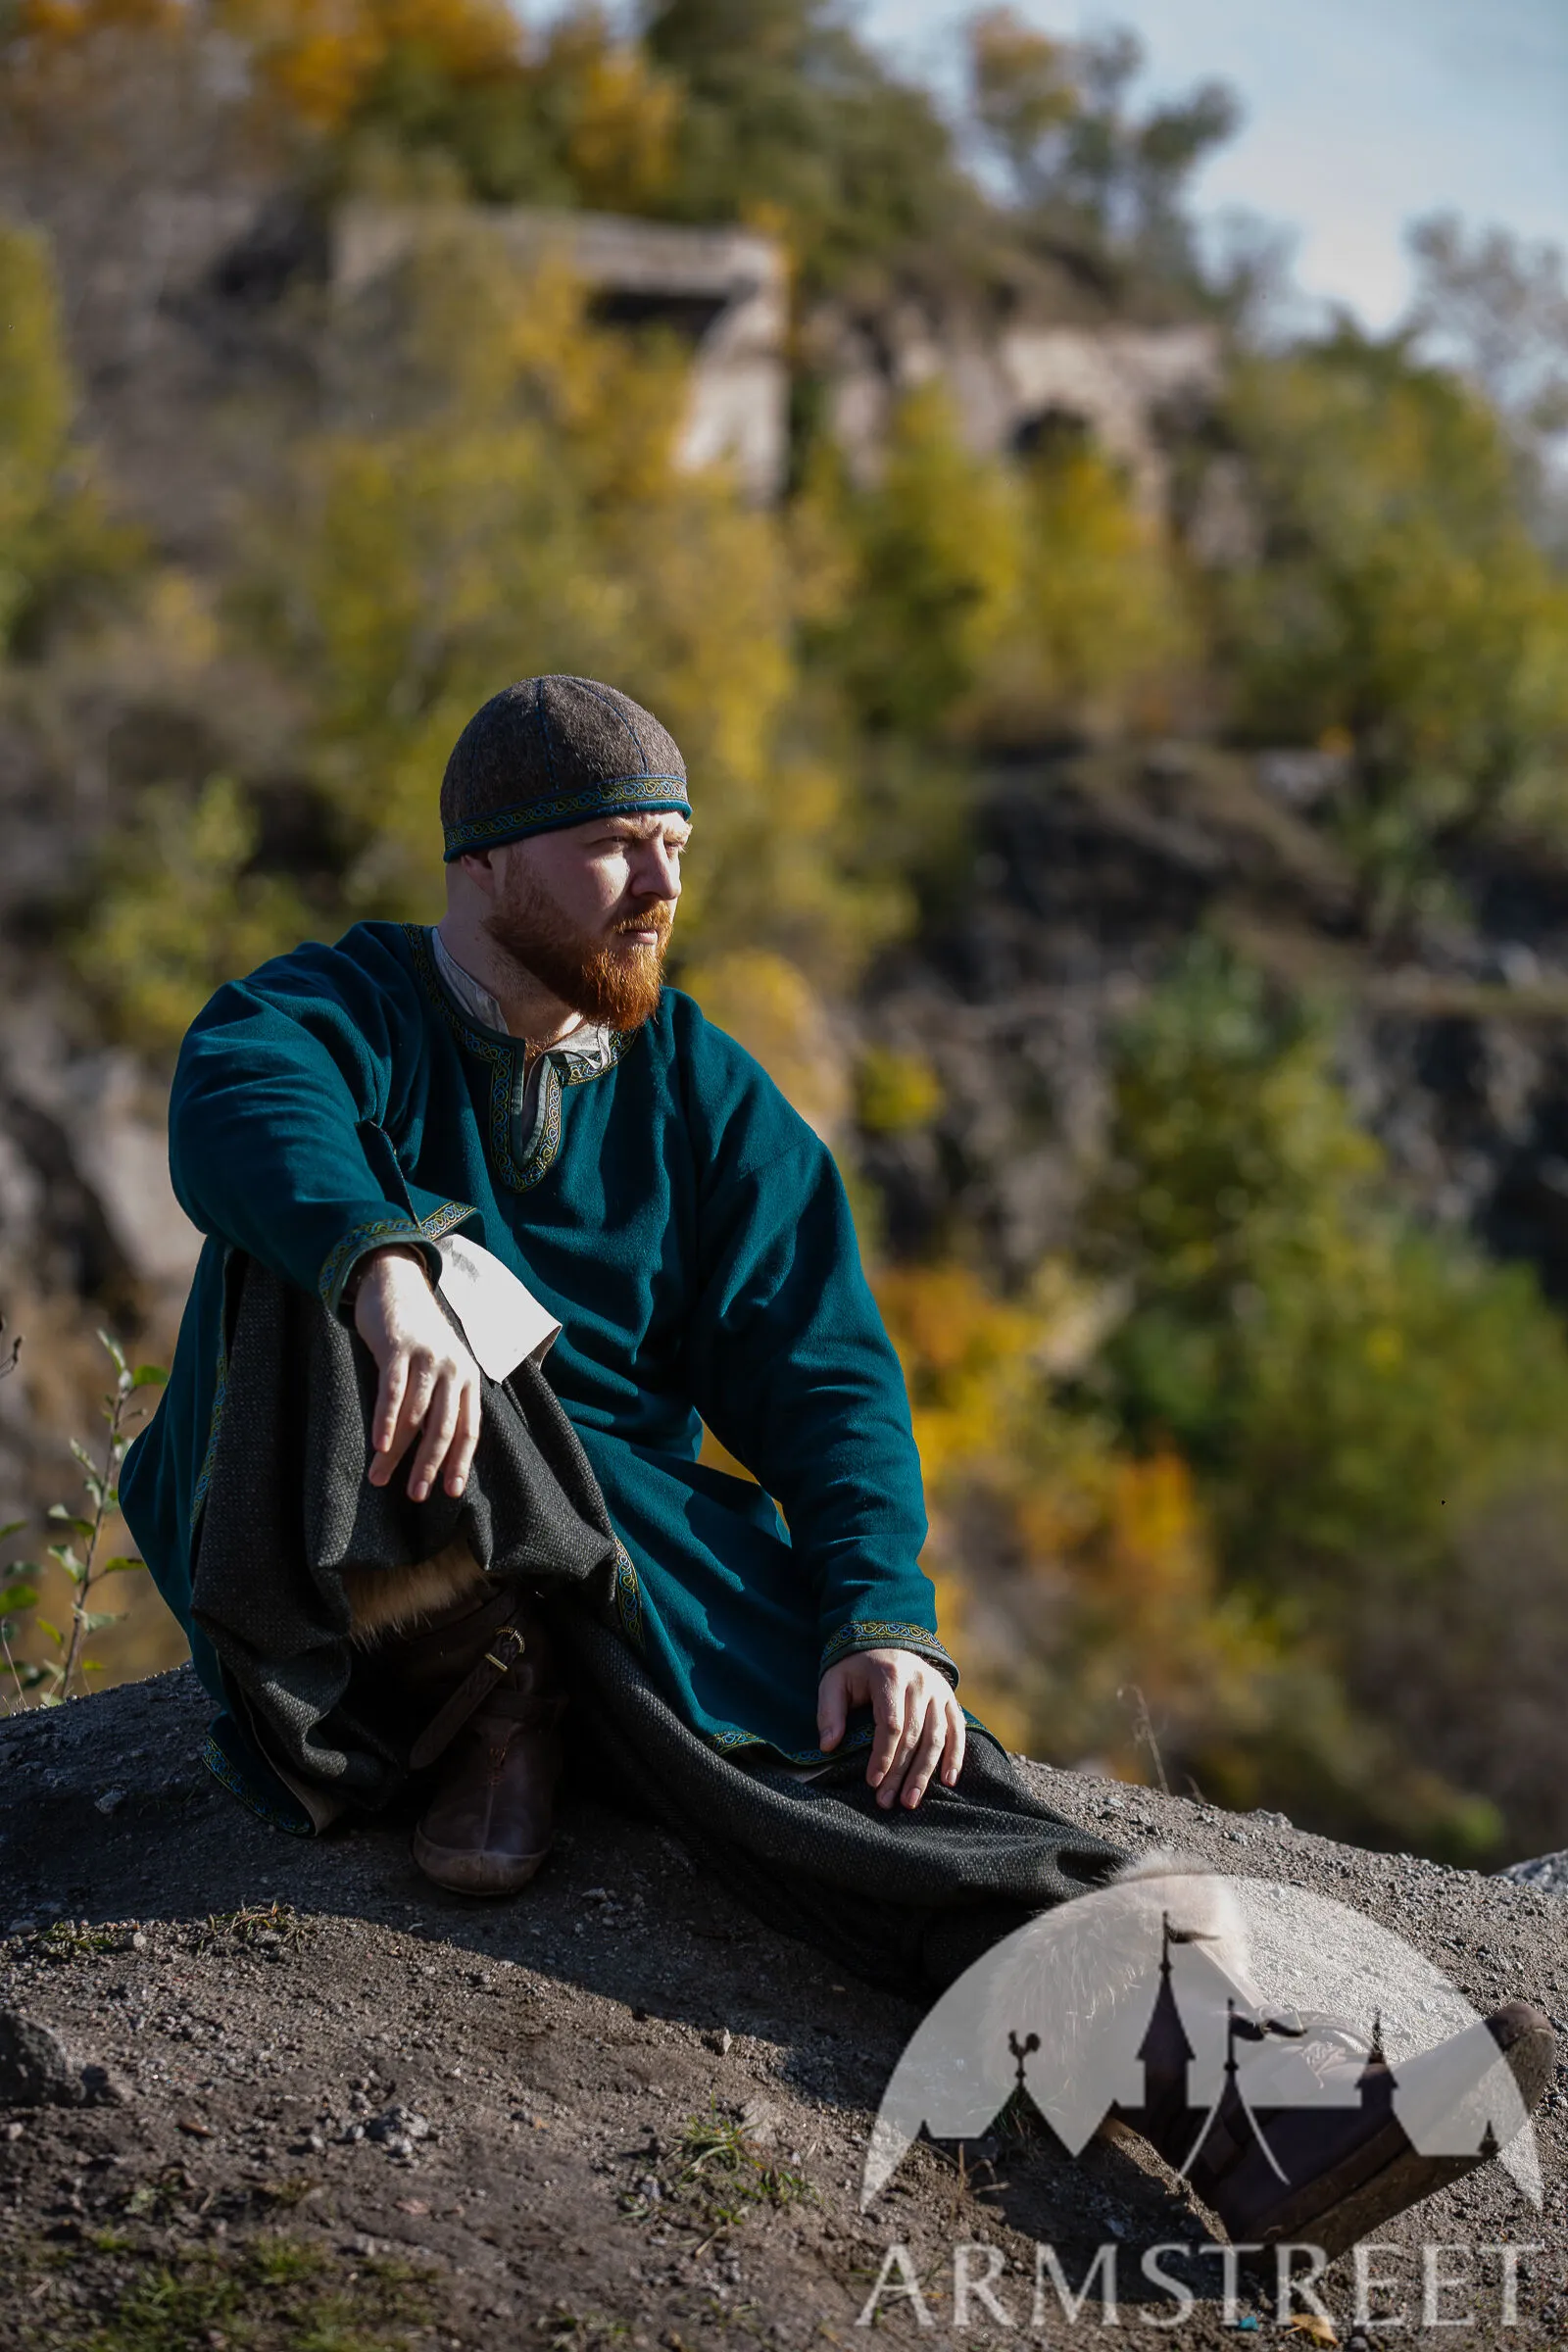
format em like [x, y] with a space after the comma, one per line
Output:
[658, 916]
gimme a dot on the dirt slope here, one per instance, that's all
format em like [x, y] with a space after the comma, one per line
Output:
[617, 2110]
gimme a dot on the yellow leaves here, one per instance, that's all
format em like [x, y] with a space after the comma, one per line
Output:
[316, 56]
[35, 392]
[1313, 2327]
[1023, 78]
[621, 112]
[968, 1358]
[1099, 629]
[592, 102]
[472, 40]
[1408, 607]
[894, 1093]
[178, 914]
[992, 601]
[320, 57]
[935, 548]
[47, 24]
[54, 527]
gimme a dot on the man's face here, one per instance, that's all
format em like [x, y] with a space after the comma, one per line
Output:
[588, 910]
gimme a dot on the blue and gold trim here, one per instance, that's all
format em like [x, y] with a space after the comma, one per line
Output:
[615, 796]
[375, 1234]
[506, 1062]
[628, 1596]
[879, 1633]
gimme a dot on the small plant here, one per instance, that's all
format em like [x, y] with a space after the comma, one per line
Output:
[119, 2292]
[78, 1939]
[566, 2330]
[714, 2176]
[259, 1927]
[76, 1551]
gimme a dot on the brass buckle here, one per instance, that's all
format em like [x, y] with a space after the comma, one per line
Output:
[518, 1647]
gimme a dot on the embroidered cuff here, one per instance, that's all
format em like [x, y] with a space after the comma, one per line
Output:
[880, 1633]
[379, 1233]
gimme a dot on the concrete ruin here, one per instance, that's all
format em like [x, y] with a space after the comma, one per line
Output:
[723, 290]
[180, 314]
[1022, 382]
[726, 291]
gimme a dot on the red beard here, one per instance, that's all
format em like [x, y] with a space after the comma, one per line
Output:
[599, 974]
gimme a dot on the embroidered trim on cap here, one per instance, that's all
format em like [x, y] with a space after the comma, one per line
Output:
[615, 796]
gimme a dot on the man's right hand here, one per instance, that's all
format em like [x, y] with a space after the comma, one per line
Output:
[429, 1386]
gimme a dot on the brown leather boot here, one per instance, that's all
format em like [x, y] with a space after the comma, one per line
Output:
[489, 1673]
[1338, 2143]
[1331, 2174]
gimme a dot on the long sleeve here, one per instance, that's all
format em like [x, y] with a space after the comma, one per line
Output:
[276, 1141]
[792, 1369]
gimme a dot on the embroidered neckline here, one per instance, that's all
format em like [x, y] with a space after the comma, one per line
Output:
[507, 1060]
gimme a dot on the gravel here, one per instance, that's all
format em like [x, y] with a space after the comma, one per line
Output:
[308, 2039]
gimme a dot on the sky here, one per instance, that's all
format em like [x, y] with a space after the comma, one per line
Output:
[1360, 116]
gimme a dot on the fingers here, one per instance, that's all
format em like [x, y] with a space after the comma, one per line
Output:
[439, 1428]
[459, 1461]
[388, 1404]
[957, 1735]
[832, 1708]
[918, 1724]
[419, 1389]
[892, 1741]
[437, 1402]
[928, 1750]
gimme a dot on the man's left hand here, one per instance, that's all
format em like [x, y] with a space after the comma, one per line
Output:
[918, 1722]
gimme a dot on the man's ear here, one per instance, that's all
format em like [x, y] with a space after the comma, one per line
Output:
[483, 869]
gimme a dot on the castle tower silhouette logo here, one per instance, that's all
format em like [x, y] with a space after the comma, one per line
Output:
[1220, 2017]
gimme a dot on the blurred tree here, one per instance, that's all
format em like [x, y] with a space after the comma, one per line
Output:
[788, 117]
[1074, 1572]
[520, 509]
[1084, 168]
[57, 538]
[1349, 1386]
[1497, 309]
[574, 115]
[988, 603]
[180, 910]
[1401, 608]
[934, 550]
[1100, 633]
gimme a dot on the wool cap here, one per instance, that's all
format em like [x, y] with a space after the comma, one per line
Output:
[553, 751]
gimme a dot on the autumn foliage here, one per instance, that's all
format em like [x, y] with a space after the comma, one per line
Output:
[1194, 1476]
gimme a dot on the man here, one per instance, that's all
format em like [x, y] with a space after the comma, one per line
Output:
[524, 1068]
[468, 1143]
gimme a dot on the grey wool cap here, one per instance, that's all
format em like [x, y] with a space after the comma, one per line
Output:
[552, 751]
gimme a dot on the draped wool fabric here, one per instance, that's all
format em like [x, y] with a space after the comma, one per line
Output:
[907, 1898]
[666, 1203]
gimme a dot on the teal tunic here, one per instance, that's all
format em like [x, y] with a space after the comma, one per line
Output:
[686, 1226]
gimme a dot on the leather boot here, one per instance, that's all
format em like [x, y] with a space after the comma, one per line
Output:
[482, 1680]
[1315, 2140]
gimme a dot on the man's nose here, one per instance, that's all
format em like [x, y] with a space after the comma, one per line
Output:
[655, 872]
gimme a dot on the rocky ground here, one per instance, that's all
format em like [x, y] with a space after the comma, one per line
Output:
[334, 2111]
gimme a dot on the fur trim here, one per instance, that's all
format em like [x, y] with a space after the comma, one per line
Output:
[393, 1601]
[1083, 1977]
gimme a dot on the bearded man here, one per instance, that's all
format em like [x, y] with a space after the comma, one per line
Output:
[428, 1161]
[509, 1125]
